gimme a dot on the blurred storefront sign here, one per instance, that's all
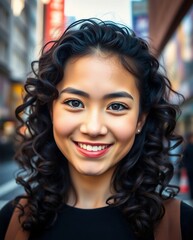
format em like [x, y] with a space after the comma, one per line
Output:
[140, 20]
[54, 21]
[16, 96]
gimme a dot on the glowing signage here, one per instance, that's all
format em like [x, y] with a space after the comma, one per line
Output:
[54, 21]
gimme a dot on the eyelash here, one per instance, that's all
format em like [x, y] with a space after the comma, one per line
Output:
[69, 103]
[121, 107]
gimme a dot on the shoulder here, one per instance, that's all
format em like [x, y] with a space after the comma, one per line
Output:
[186, 220]
[5, 216]
[176, 222]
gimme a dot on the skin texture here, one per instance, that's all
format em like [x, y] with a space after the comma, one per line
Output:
[95, 119]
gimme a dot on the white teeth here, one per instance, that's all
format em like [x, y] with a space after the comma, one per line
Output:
[92, 148]
[88, 147]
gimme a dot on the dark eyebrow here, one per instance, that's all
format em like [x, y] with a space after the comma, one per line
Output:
[121, 94]
[75, 91]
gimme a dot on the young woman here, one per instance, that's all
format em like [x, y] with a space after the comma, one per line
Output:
[94, 155]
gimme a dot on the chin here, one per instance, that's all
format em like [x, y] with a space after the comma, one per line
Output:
[91, 172]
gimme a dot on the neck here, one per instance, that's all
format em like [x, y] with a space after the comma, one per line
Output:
[89, 191]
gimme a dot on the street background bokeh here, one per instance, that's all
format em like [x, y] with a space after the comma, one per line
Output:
[25, 25]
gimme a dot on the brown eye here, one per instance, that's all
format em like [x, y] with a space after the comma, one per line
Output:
[117, 107]
[74, 103]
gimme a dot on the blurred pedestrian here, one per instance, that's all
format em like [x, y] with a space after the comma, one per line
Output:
[96, 158]
[188, 161]
[175, 157]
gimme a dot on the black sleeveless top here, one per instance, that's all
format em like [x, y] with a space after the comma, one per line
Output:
[93, 224]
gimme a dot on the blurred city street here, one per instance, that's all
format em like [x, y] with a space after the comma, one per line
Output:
[8, 187]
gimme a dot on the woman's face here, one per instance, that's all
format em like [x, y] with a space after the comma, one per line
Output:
[95, 118]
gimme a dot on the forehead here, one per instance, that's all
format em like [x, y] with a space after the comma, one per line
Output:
[98, 73]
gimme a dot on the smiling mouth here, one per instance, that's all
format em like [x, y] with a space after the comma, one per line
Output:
[93, 151]
[92, 147]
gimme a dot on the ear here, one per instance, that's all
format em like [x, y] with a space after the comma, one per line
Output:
[141, 122]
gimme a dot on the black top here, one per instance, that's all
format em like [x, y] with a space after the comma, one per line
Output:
[96, 224]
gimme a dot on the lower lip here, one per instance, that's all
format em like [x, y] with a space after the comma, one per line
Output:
[92, 154]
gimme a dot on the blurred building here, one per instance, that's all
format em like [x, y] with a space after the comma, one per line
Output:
[20, 31]
[24, 28]
[171, 34]
[17, 44]
[54, 20]
[140, 18]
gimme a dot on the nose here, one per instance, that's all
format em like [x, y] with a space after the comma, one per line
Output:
[94, 124]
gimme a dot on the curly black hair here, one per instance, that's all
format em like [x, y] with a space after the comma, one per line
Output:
[142, 179]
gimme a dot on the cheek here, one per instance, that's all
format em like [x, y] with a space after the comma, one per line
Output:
[63, 128]
[125, 129]
[63, 124]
